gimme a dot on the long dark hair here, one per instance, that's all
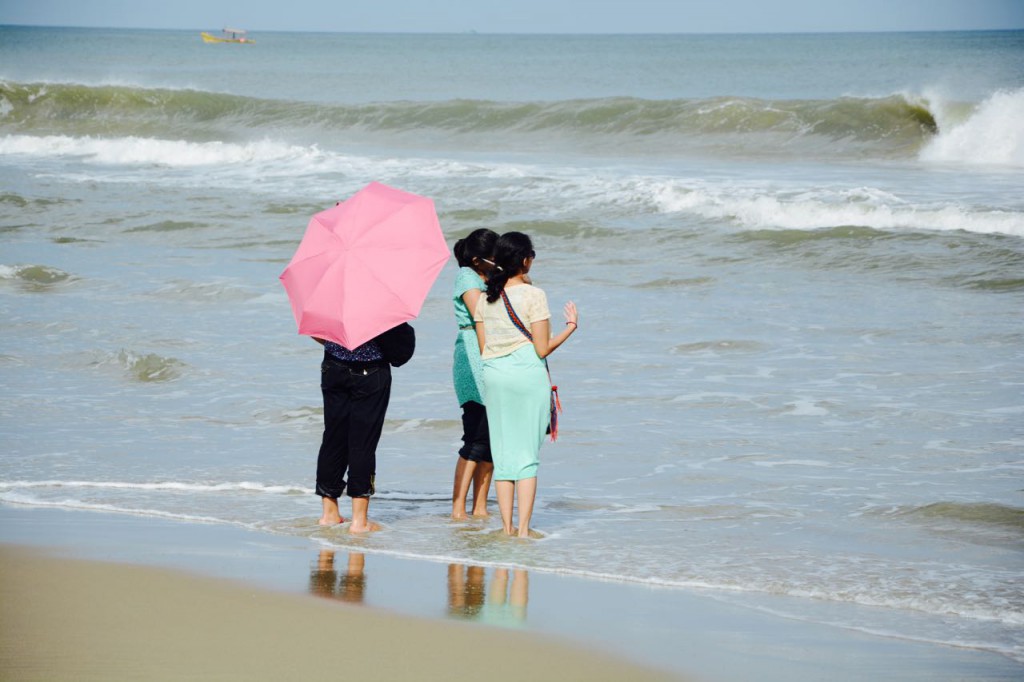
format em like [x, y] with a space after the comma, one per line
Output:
[509, 253]
[475, 246]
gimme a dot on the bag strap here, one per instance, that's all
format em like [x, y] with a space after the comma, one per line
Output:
[515, 318]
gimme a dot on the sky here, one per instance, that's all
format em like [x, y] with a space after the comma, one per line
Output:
[525, 16]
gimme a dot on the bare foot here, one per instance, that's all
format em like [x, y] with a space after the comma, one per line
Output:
[360, 530]
[481, 515]
[331, 515]
[456, 516]
[530, 534]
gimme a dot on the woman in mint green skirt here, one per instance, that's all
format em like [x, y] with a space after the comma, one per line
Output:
[514, 332]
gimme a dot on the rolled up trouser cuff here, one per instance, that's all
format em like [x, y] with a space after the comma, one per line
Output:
[357, 491]
[332, 493]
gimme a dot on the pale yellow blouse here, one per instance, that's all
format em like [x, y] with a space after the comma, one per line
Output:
[501, 336]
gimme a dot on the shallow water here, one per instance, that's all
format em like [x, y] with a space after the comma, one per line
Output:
[799, 365]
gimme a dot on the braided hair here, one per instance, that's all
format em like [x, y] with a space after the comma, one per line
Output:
[509, 253]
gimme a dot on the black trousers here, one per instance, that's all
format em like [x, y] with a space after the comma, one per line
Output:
[355, 401]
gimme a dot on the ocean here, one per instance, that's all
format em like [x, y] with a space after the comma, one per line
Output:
[798, 259]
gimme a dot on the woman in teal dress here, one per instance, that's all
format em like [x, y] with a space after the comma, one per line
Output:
[473, 254]
[514, 334]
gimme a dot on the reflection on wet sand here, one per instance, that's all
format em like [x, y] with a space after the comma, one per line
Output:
[324, 580]
[499, 600]
[502, 603]
[465, 590]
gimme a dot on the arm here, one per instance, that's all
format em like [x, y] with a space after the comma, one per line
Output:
[474, 295]
[470, 298]
[543, 342]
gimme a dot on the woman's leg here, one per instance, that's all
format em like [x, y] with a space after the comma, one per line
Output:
[481, 486]
[506, 491]
[475, 448]
[332, 460]
[366, 420]
[360, 520]
[464, 475]
[526, 491]
[331, 515]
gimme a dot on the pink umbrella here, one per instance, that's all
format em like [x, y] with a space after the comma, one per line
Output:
[365, 265]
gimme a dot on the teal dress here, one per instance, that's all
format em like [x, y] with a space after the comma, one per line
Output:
[467, 369]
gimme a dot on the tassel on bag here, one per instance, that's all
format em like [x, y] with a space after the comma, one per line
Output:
[556, 407]
[556, 404]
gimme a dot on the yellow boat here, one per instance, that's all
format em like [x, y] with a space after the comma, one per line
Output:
[231, 35]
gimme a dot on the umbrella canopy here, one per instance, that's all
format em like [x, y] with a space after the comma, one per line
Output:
[365, 265]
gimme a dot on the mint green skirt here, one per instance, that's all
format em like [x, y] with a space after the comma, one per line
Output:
[517, 392]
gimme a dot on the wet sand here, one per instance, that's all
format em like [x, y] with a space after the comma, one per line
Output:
[69, 619]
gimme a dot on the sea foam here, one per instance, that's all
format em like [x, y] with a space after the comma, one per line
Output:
[152, 151]
[173, 486]
[992, 135]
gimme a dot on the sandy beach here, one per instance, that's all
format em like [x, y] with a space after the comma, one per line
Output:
[72, 619]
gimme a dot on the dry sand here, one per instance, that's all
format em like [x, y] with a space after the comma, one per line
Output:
[63, 619]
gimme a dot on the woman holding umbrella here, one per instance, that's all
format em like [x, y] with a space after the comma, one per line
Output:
[514, 335]
[363, 268]
[475, 466]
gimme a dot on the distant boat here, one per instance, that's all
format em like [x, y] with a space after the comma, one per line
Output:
[230, 35]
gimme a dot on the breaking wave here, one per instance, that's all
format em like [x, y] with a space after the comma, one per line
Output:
[34, 277]
[893, 125]
[990, 514]
[812, 209]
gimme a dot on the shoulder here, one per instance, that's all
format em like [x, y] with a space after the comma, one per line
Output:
[467, 279]
[536, 303]
[469, 275]
[534, 293]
